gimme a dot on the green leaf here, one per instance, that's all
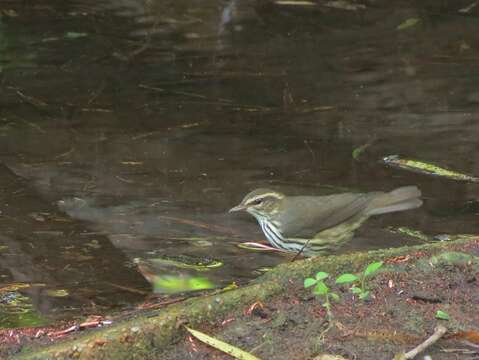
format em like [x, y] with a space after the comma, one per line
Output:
[321, 275]
[346, 278]
[356, 290]
[408, 23]
[335, 297]
[321, 289]
[171, 284]
[222, 346]
[308, 282]
[57, 293]
[364, 295]
[372, 268]
[359, 150]
[442, 315]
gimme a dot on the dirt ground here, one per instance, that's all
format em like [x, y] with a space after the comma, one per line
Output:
[400, 315]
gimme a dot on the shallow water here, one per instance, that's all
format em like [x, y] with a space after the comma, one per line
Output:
[128, 129]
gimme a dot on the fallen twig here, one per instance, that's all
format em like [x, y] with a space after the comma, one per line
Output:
[183, 93]
[82, 326]
[129, 289]
[439, 332]
[149, 306]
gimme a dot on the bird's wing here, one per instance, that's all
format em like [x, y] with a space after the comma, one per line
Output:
[305, 216]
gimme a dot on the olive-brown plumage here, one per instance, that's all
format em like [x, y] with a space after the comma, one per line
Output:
[317, 224]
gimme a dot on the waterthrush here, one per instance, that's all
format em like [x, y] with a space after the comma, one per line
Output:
[318, 224]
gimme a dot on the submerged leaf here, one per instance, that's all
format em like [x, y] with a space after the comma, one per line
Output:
[231, 350]
[188, 262]
[344, 5]
[411, 232]
[170, 284]
[295, 3]
[426, 168]
[361, 149]
[408, 23]
[75, 35]
[57, 293]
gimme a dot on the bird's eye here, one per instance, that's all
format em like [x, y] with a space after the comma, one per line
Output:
[257, 201]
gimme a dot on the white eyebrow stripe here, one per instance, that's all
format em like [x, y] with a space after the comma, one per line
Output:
[265, 195]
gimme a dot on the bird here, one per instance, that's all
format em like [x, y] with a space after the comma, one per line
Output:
[316, 225]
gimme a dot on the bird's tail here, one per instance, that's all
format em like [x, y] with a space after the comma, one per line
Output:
[403, 198]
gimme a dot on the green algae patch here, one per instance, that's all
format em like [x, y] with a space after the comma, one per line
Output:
[448, 259]
[160, 334]
[454, 258]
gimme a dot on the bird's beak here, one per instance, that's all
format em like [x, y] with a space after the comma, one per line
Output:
[237, 208]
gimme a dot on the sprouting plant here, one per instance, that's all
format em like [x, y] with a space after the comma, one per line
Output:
[360, 290]
[322, 290]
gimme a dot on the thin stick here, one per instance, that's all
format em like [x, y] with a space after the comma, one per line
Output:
[439, 332]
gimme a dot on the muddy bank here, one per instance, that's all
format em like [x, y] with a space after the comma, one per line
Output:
[289, 321]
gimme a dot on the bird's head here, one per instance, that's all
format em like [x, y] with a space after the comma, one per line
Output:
[260, 203]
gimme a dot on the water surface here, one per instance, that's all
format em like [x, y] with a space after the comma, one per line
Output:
[128, 129]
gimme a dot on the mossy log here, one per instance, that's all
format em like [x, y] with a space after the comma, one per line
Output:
[144, 336]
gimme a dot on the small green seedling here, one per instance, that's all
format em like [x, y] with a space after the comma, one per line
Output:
[442, 315]
[361, 290]
[322, 290]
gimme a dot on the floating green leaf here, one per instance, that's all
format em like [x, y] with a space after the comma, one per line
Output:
[372, 268]
[308, 282]
[442, 315]
[170, 284]
[426, 168]
[346, 279]
[408, 23]
[231, 350]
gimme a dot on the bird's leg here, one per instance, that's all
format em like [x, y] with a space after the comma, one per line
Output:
[301, 250]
